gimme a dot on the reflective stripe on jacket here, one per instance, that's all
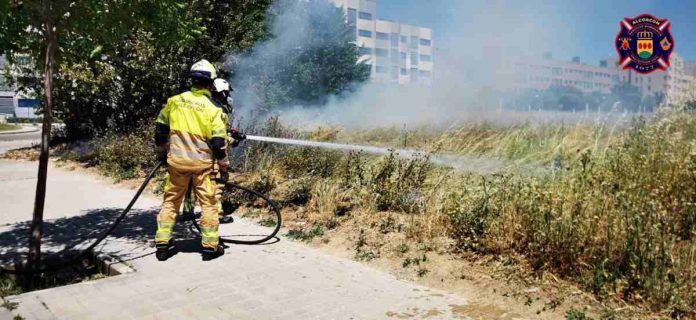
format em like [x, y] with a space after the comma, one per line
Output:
[193, 120]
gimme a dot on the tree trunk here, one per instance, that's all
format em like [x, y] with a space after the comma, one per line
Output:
[34, 261]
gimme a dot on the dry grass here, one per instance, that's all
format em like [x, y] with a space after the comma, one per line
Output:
[614, 212]
[8, 127]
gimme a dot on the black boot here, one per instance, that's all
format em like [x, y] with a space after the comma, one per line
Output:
[226, 219]
[164, 250]
[210, 254]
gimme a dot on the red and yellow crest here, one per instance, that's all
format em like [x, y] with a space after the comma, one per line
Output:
[644, 43]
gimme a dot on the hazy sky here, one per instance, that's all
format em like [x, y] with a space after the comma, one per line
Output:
[567, 28]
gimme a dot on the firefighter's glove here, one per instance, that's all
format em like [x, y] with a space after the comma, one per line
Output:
[161, 153]
[224, 177]
[224, 166]
[237, 135]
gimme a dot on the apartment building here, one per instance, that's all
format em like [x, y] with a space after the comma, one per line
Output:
[545, 72]
[397, 52]
[677, 84]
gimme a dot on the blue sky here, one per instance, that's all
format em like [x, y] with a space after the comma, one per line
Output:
[567, 28]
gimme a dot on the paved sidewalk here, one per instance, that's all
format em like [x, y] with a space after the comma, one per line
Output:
[19, 140]
[284, 280]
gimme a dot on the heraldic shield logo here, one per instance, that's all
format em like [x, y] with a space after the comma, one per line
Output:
[644, 43]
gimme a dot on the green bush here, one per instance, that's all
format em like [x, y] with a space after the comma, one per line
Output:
[396, 184]
[300, 192]
[126, 156]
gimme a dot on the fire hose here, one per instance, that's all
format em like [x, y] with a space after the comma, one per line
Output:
[275, 208]
[117, 221]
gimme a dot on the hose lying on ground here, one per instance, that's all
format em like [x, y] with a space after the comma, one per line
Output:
[101, 237]
[125, 211]
[273, 205]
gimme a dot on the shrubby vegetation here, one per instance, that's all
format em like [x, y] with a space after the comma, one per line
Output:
[622, 97]
[309, 57]
[614, 211]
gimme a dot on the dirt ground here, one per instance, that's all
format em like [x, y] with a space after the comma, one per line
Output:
[498, 289]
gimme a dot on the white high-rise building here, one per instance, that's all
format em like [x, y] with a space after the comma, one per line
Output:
[398, 53]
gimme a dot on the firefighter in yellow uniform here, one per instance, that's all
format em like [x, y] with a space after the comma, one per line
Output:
[190, 135]
[221, 95]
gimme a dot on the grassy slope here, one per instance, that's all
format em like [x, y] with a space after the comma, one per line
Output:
[8, 127]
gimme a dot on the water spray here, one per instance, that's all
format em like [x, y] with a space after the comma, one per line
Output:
[455, 161]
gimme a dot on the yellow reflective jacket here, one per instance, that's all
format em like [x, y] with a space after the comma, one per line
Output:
[193, 120]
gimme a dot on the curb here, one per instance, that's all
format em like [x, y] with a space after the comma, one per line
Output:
[112, 266]
[23, 130]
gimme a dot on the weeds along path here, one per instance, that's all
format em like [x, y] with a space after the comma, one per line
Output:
[614, 215]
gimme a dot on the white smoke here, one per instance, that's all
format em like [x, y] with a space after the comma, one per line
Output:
[469, 56]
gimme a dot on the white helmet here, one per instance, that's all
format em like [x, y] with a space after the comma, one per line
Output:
[221, 85]
[203, 69]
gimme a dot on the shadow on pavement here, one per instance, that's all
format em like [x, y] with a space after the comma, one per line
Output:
[66, 237]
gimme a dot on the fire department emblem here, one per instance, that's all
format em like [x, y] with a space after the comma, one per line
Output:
[644, 43]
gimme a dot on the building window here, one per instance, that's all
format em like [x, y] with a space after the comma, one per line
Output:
[365, 33]
[402, 55]
[379, 69]
[381, 52]
[414, 42]
[352, 16]
[414, 74]
[425, 42]
[414, 59]
[394, 39]
[394, 73]
[404, 39]
[365, 15]
[381, 62]
[394, 55]
[382, 36]
[365, 51]
[404, 71]
[425, 57]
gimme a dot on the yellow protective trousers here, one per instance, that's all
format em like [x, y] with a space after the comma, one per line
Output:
[175, 190]
[191, 203]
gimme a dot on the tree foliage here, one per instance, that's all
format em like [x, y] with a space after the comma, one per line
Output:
[120, 60]
[622, 97]
[309, 57]
[46, 31]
